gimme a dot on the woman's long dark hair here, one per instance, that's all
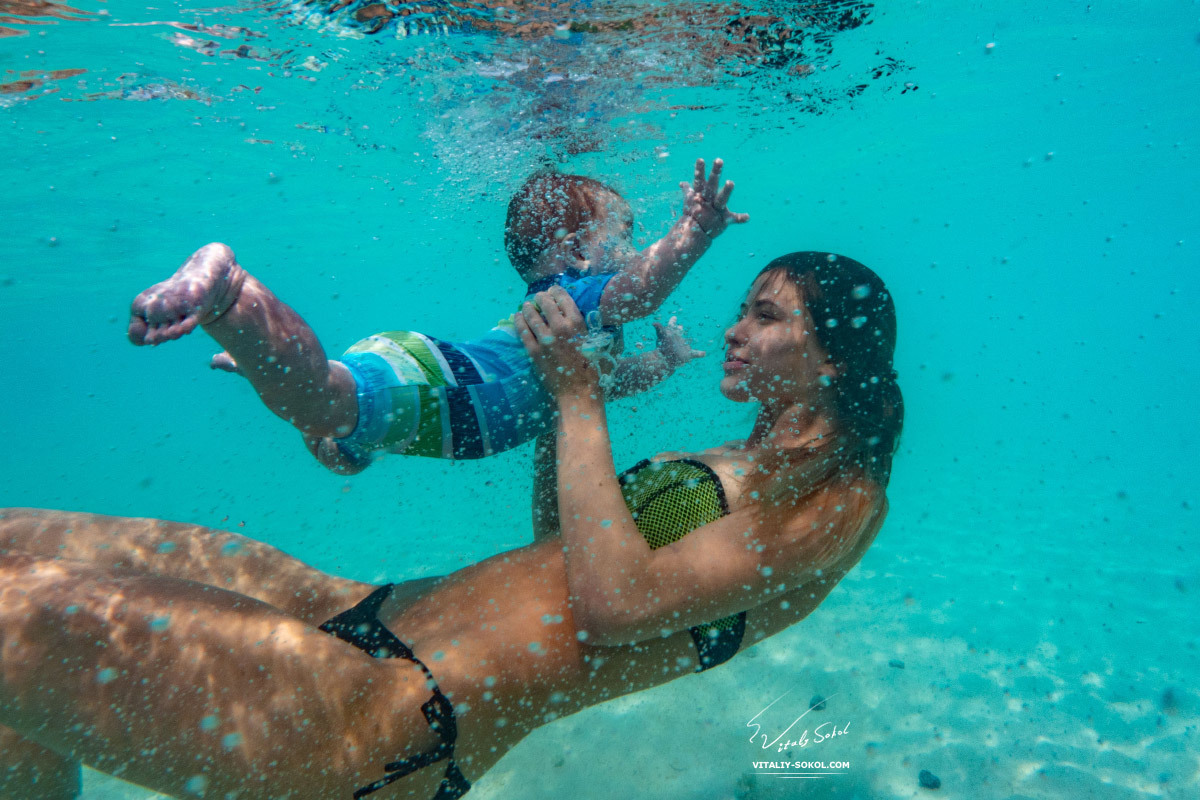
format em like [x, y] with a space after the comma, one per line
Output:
[854, 319]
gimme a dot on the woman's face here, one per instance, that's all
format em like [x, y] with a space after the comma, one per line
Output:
[771, 353]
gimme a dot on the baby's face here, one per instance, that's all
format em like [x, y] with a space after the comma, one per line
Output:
[606, 244]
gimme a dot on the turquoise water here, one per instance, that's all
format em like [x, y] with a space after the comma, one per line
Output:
[1024, 179]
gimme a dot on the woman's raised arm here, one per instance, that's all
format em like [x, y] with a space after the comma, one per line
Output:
[622, 590]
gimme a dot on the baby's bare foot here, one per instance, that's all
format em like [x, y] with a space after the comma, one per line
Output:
[203, 289]
[224, 362]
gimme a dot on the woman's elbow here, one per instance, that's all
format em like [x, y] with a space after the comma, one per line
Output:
[601, 621]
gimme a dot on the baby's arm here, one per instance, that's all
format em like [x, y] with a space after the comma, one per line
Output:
[644, 371]
[265, 341]
[642, 284]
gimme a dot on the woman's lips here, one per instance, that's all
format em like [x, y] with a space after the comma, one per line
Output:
[733, 364]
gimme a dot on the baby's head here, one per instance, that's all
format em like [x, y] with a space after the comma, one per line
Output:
[556, 222]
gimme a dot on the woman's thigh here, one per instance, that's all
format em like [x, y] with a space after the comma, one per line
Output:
[29, 771]
[190, 689]
[178, 550]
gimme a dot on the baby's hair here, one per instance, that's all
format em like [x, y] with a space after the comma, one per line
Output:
[547, 208]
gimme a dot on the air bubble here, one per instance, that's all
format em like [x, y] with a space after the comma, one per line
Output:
[861, 292]
[858, 322]
[196, 785]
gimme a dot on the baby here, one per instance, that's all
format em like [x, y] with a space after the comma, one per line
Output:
[407, 393]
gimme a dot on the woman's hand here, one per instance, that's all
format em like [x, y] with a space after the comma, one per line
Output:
[706, 200]
[552, 331]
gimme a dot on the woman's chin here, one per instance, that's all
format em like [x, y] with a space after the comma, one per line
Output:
[734, 388]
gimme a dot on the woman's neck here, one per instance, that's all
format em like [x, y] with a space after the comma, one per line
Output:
[789, 427]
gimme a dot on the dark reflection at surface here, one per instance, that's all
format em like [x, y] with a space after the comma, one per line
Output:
[33, 12]
[492, 79]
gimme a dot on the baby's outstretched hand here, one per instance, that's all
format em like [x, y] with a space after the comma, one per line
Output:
[706, 201]
[674, 345]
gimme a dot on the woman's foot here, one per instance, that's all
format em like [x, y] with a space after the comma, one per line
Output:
[201, 291]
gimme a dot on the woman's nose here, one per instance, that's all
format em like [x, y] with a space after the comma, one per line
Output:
[732, 334]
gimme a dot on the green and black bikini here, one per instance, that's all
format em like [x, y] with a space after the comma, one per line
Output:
[667, 500]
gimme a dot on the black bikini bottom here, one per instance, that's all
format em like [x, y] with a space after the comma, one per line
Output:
[360, 626]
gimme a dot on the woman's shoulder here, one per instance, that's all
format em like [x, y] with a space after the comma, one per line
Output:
[713, 454]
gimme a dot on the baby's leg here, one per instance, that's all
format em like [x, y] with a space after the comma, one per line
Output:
[185, 552]
[29, 771]
[264, 339]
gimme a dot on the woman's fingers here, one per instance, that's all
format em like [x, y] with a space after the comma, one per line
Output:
[566, 305]
[528, 338]
[536, 323]
[561, 313]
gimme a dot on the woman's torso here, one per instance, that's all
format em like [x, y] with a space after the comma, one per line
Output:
[500, 638]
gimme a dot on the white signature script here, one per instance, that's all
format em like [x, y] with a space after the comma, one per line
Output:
[826, 730]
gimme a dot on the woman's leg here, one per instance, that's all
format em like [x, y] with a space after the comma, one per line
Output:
[29, 771]
[193, 690]
[154, 547]
[187, 552]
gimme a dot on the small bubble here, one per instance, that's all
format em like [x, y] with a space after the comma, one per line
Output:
[196, 785]
[231, 740]
[106, 675]
[861, 292]
[535, 647]
[231, 549]
[858, 322]
[209, 723]
[831, 322]
[606, 523]
[160, 623]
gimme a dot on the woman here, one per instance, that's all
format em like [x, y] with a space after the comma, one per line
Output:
[190, 660]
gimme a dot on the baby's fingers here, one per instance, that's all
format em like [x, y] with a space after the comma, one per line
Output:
[723, 196]
[714, 179]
